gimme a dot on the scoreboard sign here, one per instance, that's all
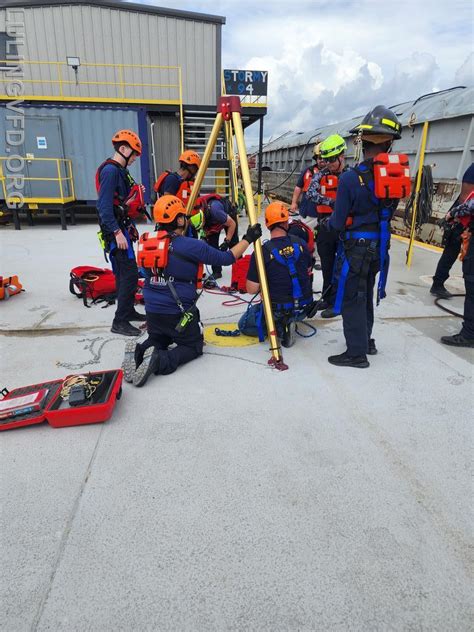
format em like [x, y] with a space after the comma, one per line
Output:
[246, 82]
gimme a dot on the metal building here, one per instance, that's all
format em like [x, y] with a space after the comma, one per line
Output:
[81, 82]
[449, 151]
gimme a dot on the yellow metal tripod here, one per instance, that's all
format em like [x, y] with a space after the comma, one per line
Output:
[229, 109]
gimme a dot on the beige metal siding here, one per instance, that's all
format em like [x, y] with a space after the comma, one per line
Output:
[114, 36]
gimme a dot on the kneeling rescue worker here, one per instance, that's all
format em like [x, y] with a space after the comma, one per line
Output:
[179, 183]
[115, 187]
[173, 266]
[365, 202]
[212, 214]
[288, 265]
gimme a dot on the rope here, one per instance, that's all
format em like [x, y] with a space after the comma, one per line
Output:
[446, 309]
[300, 159]
[425, 200]
[313, 329]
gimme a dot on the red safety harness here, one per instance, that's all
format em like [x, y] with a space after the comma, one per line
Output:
[183, 192]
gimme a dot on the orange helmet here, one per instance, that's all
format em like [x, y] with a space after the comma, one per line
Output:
[167, 208]
[276, 213]
[129, 137]
[190, 158]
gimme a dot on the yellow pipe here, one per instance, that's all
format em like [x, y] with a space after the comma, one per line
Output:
[181, 114]
[73, 192]
[60, 180]
[264, 290]
[421, 161]
[211, 143]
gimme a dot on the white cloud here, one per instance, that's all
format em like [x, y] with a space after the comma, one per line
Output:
[465, 73]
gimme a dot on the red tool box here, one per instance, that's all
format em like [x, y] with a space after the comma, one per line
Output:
[97, 408]
[239, 274]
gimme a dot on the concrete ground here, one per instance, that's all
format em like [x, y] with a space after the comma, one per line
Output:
[230, 496]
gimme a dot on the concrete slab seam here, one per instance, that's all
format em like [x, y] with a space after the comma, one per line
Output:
[65, 536]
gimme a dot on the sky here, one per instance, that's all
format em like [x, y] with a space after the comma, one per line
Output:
[329, 60]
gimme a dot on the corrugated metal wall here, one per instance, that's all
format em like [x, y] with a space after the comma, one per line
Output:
[87, 134]
[166, 136]
[100, 35]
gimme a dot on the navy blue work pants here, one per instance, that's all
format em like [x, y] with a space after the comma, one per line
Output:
[468, 272]
[358, 302]
[162, 333]
[126, 277]
[327, 241]
[452, 247]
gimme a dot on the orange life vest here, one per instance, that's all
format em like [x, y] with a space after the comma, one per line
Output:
[9, 286]
[183, 192]
[328, 188]
[153, 251]
[308, 176]
[391, 176]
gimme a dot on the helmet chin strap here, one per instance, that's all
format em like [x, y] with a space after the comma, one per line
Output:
[126, 158]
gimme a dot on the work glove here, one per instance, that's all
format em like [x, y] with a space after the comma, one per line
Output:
[253, 233]
[224, 246]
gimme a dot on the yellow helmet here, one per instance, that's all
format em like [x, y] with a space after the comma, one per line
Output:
[317, 150]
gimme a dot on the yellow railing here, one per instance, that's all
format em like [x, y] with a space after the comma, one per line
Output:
[97, 82]
[66, 192]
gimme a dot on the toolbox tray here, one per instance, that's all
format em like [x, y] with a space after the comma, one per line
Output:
[97, 410]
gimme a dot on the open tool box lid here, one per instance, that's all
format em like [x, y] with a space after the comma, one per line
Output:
[57, 411]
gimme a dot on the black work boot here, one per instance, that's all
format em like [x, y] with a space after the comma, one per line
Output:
[138, 317]
[329, 313]
[288, 338]
[372, 349]
[149, 364]
[344, 359]
[438, 289]
[125, 329]
[458, 340]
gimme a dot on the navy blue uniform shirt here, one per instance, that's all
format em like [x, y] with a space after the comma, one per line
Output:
[216, 214]
[353, 199]
[112, 179]
[306, 207]
[468, 176]
[171, 184]
[157, 295]
[279, 281]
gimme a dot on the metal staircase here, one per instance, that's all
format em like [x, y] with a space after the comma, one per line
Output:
[197, 128]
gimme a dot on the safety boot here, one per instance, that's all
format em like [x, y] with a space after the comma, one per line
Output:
[149, 364]
[372, 349]
[288, 338]
[438, 289]
[125, 329]
[458, 340]
[344, 359]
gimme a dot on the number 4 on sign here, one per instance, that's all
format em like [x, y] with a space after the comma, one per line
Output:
[249, 89]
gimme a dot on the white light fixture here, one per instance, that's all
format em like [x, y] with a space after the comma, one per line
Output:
[74, 62]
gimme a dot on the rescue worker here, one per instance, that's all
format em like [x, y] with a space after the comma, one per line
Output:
[212, 214]
[288, 266]
[114, 183]
[451, 239]
[463, 214]
[363, 223]
[171, 295]
[300, 201]
[324, 185]
[179, 183]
